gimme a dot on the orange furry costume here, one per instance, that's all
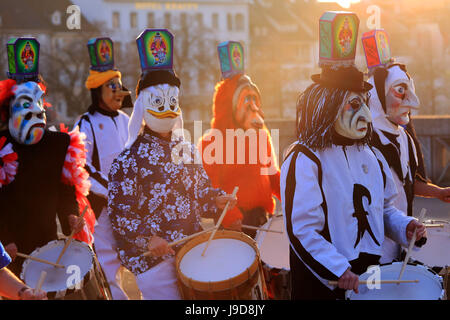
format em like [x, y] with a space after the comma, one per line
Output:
[255, 190]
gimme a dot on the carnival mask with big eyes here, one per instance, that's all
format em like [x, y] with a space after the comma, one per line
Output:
[400, 99]
[27, 115]
[248, 112]
[354, 117]
[161, 108]
[113, 94]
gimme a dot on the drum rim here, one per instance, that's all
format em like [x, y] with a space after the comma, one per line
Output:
[61, 293]
[223, 285]
[267, 226]
[349, 293]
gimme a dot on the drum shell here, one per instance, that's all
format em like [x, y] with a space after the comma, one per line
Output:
[249, 285]
[89, 288]
[278, 278]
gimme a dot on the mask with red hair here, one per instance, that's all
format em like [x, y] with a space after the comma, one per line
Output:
[22, 107]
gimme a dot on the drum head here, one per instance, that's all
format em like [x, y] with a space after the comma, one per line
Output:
[274, 247]
[429, 287]
[78, 261]
[433, 252]
[230, 260]
[224, 259]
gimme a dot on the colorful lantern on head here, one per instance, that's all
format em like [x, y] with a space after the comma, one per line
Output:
[376, 48]
[338, 37]
[231, 57]
[101, 54]
[155, 47]
[23, 59]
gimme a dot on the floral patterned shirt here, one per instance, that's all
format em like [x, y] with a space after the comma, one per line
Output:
[151, 194]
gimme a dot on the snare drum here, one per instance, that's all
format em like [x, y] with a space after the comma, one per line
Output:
[436, 253]
[429, 287]
[230, 268]
[438, 242]
[274, 250]
[79, 280]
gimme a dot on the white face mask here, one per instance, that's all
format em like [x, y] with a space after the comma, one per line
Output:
[161, 108]
[400, 96]
[354, 117]
[27, 115]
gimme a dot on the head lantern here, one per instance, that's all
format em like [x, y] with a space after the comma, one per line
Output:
[336, 104]
[104, 81]
[21, 96]
[158, 88]
[246, 102]
[393, 95]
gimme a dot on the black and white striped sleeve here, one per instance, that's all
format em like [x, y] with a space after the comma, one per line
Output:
[306, 221]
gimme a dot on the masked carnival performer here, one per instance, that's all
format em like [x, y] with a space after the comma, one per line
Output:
[393, 98]
[246, 157]
[106, 129]
[337, 192]
[41, 171]
[157, 192]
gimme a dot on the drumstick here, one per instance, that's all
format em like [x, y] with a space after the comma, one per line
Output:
[68, 241]
[148, 253]
[261, 229]
[335, 283]
[39, 260]
[434, 225]
[41, 280]
[411, 244]
[220, 221]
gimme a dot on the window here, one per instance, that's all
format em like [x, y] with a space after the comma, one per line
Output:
[240, 22]
[167, 18]
[117, 50]
[150, 20]
[229, 22]
[215, 21]
[116, 20]
[183, 20]
[133, 20]
[199, 19]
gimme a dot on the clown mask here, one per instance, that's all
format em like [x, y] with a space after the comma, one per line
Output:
[161, 108]
[113, 94]
[354, 117]
[248, 113]
[27, 115]
[401, 97]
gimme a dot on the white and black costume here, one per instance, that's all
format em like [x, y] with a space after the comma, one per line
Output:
[333, 202]
[337, 191]
[107, 133]
[398, 148]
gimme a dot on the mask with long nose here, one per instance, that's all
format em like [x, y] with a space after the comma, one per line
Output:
[248, 113]
[27, 115]
[354, 117]
[161, 107]
[401, 96]
[113, 94]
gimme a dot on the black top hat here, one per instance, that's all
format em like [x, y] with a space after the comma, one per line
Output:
[346, 78]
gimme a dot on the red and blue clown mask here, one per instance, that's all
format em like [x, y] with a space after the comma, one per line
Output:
[27, 118]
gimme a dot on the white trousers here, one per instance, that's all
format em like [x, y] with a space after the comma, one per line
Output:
[159, 282]
[107, 256]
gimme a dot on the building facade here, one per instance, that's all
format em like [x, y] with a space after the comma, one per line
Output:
[198, 26]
